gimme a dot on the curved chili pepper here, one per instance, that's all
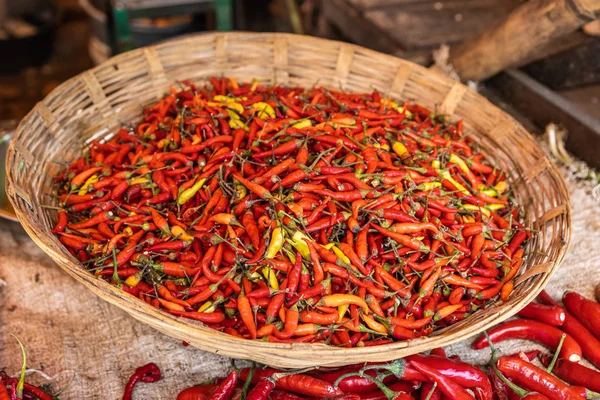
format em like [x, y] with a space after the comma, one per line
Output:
[532, 330]
[147, 373]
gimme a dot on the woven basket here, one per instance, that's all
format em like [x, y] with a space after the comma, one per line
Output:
[94, 104]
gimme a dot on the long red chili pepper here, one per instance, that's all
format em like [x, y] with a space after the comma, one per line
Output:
[575, 373]
[534, 378]
[590, 346]
[586, 311]
[532, 330]
[550, 315]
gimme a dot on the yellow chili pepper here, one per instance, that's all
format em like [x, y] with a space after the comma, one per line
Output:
[299, 244]
[473, 207]
[90, 182]
[270, 276]
[240, 191]
[264, 110]
[237, 124]
[128, 231]
[254, 85]
[501, 186]
[399, 148]
[180, 233]
[227, 99]
[306, 123]
[426, 186]
[290, 255]
[327, 246]
[468, 218]
[196, 139]
[342, 311]
[139, 181]
[494, 207]
[204, 307]
[374, 325]
[445, 174]
[460, 162]
[341, 255]
[189, 193]
[336, 300]
[276, 243]
[384, 146]
[133, 280]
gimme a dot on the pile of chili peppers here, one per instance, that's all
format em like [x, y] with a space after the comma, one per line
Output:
[14, 389]
[438, 376]
[295, 215]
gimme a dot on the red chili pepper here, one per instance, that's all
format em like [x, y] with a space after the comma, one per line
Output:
[575, 373]
[447, 386]
[590, 346]
[201, 392]
[550, 315]
[281, 395]
[534, 378]
[148, 373]
[586, 311]
[225, 389]
[532, 330]
[466, 375]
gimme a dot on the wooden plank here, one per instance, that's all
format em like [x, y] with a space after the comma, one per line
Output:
[543, 106]
[428, 25]
[505, 44]
[349, 20]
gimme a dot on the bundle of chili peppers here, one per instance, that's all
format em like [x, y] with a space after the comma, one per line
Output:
[295, 215]
[437, 376]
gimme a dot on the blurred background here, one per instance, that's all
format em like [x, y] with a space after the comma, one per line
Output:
[45, 42]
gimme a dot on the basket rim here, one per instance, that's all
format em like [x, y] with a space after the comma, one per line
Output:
[109, 292]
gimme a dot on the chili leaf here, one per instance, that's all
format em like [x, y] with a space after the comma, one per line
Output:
[23, 368]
